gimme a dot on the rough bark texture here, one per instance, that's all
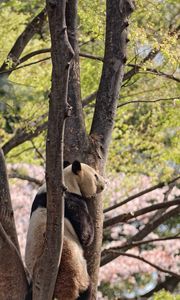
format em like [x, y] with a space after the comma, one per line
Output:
[117, 13]
[47, 267]
[11, 266]
[75, 132]
[6, 211]
[13, 282]
[113, 70]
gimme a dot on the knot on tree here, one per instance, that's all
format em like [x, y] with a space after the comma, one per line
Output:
[68, 110]
[126, 7]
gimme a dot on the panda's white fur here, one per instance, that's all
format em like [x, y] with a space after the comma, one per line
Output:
[72, 277]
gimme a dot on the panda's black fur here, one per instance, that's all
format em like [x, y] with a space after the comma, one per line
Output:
[75, 211]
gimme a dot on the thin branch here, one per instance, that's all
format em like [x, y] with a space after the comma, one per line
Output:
[86, 55]
[37, 151]
[137, 244]
[131, 215]
[25, 177]
[135, 69]
[149, 101]
[22, 135]
[149, 227]
[26, 65]
[146, 191]
[155, 72]
[149, 263]
[32, 54]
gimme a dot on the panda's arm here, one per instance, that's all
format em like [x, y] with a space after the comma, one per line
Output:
[77, 213]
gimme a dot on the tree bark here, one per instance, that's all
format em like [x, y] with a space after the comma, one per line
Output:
[46, 268]
[6, 211]
[117, 13]
[13, 283]
[11, 266]
[75, 131]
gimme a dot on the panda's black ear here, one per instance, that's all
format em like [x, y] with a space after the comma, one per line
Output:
[76, 167]
[66, 164]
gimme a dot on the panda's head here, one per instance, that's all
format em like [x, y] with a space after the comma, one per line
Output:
[81, 179]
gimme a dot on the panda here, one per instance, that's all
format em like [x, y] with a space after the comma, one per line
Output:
[82, 183]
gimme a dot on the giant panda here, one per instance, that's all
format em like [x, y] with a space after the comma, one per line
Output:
[73, 281]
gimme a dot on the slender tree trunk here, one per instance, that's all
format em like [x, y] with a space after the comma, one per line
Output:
[117, 13]
[11, 265]
[6, 211]
[47, 267]
[75, 133]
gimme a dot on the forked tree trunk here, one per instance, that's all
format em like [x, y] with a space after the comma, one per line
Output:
[93, 149]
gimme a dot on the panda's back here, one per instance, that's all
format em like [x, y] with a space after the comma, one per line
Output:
[35, 237]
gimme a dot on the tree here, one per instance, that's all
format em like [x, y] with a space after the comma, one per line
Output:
[114, 59]
[95, 146]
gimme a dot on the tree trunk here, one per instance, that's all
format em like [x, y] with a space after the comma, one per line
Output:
[11, 265]
[75, 133]
[6, 211]
[47, 267]
[117, 13]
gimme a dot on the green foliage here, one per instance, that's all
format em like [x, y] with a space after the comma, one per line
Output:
[164, 295]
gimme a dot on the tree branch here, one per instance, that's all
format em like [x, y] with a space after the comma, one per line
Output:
[33, 27]
[22, 135]
[149, 227]
[149, 263]
[149, 101]
[146, 191]
[155, 72]
[14, 174]
[131, 215]
[137, 244]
